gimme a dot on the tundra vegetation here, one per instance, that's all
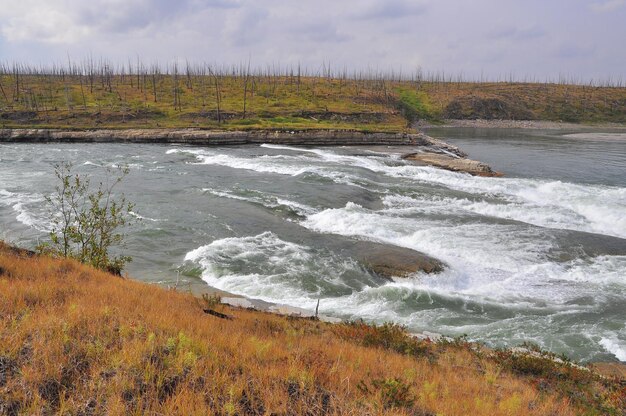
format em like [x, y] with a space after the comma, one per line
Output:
[99, 94]
[75, 340]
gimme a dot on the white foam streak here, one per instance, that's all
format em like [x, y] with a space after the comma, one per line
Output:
[21, 203]
[279, 164]
[267, 201]
[141, 217]
[615, 347]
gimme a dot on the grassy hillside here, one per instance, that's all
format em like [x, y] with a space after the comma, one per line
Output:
[76, 341]
[245, 101]
[523, 101]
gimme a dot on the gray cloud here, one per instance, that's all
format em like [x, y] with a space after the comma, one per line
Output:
[573, 51]
[392, 9]
[319, 31]
[488, 37]
[607, 6]
[515, 33]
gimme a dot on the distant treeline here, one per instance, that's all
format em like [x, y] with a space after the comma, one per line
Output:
[97, 93]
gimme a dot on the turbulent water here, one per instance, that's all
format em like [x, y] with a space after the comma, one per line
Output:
[538, 255]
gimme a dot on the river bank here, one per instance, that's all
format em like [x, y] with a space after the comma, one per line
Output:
[122, 346]
[519, 124]
[202, 137]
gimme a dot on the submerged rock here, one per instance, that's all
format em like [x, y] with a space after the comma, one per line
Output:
[392, 262]
[384, 260]
[455, 164]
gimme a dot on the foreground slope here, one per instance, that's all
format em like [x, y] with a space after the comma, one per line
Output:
[77, 341]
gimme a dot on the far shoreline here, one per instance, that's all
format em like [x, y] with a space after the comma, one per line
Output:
[517, 124]
[212, 137]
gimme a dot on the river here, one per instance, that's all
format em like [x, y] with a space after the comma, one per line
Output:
[538, 255]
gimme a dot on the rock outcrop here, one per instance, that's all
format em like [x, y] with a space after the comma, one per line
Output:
[391, 262]
[452, 163]
[226, 138]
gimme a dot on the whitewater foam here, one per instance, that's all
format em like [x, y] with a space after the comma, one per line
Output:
[23, 204]
[554, 204]
[271, 269]
[268, 201]
[279, 164]
[615, 347]
[504, 263]
[592, 208]
[141, 217]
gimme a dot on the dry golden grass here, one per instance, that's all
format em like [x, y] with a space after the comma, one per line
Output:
[77, 341]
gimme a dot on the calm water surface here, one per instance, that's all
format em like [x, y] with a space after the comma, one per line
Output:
[538, 255]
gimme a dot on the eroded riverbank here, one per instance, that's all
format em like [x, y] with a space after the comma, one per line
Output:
[201, 137]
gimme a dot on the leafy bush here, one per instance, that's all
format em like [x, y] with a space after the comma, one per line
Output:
[388, 336]
[414, 105]
[86, 220]
[395, 393]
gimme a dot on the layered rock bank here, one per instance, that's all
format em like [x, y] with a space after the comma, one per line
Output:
[225, 138]
[452, 163]
[431, 152]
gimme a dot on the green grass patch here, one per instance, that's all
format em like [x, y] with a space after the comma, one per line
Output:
[415, 105]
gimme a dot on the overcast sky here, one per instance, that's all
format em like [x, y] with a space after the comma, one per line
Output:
[534, 38]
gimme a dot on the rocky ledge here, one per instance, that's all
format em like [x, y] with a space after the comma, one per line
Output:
[452, 162]
[225, 138]
[384, 260]
[392, 262]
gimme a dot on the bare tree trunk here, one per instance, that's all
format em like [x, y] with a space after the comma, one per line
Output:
[68, 99]
[245, 89]
[91, 75]
[189, 73]
[202, 88]
[174, 82]
[82, 91]
[138, 70]
[130, 74]
[3, 93]
[245, 95]
[218, 96]
[154, 85]
[144, 88]
[16, 73]
[298, 77]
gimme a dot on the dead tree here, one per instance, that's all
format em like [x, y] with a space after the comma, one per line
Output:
[16, 76]
[245, 89]
[155, 72]
[175, 88]
[2, 90]
[218, 95]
